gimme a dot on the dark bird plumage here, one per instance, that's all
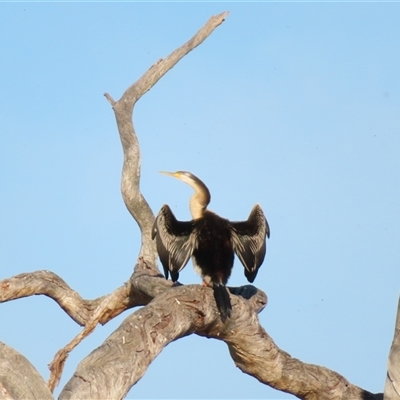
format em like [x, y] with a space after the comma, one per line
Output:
[211, 241]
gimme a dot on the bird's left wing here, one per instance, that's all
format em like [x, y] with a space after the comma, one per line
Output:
[249, 241]
[174, 240]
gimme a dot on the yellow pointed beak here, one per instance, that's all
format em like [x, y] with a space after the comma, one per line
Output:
[174, 174]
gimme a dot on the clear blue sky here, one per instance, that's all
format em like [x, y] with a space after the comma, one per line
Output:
[295, 106]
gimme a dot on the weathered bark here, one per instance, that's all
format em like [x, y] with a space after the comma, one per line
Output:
[177, 311]
[18, 377]
[170, 311]
[80, 310]
[392, 386]
[184, 310]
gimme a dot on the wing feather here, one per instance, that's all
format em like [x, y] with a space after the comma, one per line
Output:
[174, 240]
[249, 241]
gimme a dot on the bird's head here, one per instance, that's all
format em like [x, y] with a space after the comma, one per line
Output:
[184, 176]
[201, 198]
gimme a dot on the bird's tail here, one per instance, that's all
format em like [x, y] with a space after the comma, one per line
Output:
[222, 299]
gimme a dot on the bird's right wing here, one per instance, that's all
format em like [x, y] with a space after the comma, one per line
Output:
[175, 242]
[249, 241]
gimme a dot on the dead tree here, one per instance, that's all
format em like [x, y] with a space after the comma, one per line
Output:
[175, 312]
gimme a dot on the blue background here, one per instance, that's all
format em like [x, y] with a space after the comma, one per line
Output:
[291, 105]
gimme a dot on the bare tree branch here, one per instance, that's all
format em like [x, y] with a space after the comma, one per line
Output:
[19, 378]
[4, 395]
[123, 109]
[80, 310]
[256, 354]
[392, 386]
[138, 291]
[49, 284]
[133, 198]
[177, 312]
[253, 351]
[105, 308]
[182, 311]
[110, 306]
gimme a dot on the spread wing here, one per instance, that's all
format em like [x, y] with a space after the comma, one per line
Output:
[249, 241]
[174, 240]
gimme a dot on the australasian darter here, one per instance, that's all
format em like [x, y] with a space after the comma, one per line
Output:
[211, 241]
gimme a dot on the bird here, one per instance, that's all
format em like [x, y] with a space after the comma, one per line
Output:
[210, 240]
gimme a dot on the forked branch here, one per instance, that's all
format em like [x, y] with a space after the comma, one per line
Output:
[123, 109]
[49, 284]
[183, 310]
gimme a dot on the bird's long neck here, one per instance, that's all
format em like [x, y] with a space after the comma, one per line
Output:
[200, 200]
[197, 207]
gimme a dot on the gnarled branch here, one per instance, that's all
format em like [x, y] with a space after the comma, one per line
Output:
[49, 284]
[177, 312]
[183, 310]
[174, 313]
